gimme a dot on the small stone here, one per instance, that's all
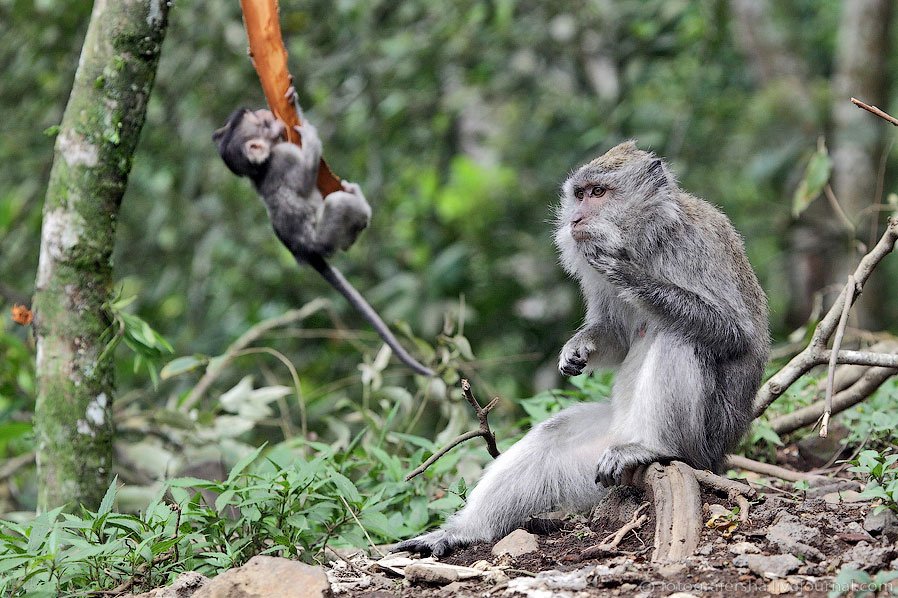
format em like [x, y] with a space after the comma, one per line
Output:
[268, 576]
[744, 548]
[844, 496]
[867, 557]
[705, 550]
[779, 586]
[439, 573]
[517, 543]
[768, 566]
[671, 570]
[682, 595]
[791, 535]
[884, 522]
[184, 586]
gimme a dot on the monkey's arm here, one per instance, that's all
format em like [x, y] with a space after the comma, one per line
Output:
[709, 323]
[299, 164]
[595, 344]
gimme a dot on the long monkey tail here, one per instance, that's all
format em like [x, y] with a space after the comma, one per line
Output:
[339, 282]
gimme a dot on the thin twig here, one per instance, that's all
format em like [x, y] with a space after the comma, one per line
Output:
[359, 523]
[245, 340]
[14, 464]
[815, 353]
[611, 541]
[837, 208]
[736, 491]
[484, 432]
[881, 114]
[303, 426]
[850, 294]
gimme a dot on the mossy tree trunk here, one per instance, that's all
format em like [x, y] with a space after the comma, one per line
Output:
[93, 153]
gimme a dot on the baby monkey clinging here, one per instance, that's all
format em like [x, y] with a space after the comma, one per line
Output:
[312, 227]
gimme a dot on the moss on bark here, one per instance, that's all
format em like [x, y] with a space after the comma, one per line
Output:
[94, 149]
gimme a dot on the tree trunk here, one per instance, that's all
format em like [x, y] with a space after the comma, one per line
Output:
[93, 153]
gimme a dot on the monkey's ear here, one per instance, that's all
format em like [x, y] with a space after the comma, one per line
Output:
[655, 174]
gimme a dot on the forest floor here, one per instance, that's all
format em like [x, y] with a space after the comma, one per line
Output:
[791, 545]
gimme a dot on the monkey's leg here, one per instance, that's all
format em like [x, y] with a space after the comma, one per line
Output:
[658, 407]
[552, 466]
[344, 215]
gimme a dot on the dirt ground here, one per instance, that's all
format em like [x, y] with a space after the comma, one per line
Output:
[825, 533]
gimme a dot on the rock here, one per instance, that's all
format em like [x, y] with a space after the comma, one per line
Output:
[768, 566]
[817, 451]
[439, 573]
[778, 587]
[184, 586]
[705, 550]
[516, 543]
[682, 595]
[867, 557]
[845, 496]
[744, 548]
[268, 576]
[882, 523]
[671, 570]
[791, 535]
[552, 582]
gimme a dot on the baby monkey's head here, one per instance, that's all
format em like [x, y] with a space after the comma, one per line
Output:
[246, 139]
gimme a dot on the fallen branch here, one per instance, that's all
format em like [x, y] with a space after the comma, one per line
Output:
[611, 541]
[740, 462]
[880, 113]
[816, 353]
[850, 293]
[484, 431]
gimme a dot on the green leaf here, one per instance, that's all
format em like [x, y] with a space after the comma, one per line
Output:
[346, 488]
[108, 498]
[244, 463]
[815, 178]
[182, 365]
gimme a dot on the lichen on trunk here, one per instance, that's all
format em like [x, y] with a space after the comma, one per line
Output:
[94, 149]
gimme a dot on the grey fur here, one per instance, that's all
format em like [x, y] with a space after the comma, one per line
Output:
[312, 227]
[674, 307]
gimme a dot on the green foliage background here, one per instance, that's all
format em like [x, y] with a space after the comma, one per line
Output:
[459, 119]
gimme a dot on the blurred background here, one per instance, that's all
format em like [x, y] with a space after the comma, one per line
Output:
[459, 119]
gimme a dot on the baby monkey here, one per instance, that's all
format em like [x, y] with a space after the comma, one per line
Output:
[253, 144]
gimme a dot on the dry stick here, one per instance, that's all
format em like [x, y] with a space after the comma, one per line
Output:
[484, 431]
[881, 114]
[246, 339]
[815, 353]
[776, 471]
[612, 540]
[850, 293]
[359, 523]
[860, 390]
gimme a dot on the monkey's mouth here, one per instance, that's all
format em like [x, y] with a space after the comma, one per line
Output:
[579, 234]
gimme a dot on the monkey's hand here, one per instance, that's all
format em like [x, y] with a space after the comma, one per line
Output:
[439, 543]
[575, 354]
[617, 463]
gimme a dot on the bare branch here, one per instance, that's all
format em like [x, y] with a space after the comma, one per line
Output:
[484, 432]
[850, 290]
[611, 541]
[860, 390]
[880, 113]
[815, 353]
[736, 491]
[740, 462]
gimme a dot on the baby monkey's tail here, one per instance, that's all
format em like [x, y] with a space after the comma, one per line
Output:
[339, 282]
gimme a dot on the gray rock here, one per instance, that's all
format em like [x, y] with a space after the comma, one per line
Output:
[768, 566]
[744, 548]
[671, 570]
[268, 576]
[867, 557]
[791, 535]
[439, 573]
[516, 543]
[883, 523]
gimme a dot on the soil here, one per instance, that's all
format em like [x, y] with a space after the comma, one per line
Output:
[834, 530]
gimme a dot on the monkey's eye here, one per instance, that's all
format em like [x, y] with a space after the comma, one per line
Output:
[597, 191]
[578, 193]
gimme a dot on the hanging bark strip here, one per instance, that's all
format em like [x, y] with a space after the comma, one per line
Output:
[269, 56]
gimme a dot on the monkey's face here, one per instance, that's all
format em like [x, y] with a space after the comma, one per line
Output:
[603, 202]
[245, 141]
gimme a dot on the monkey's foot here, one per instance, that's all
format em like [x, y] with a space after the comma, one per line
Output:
[617, 463]
[439, 543]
